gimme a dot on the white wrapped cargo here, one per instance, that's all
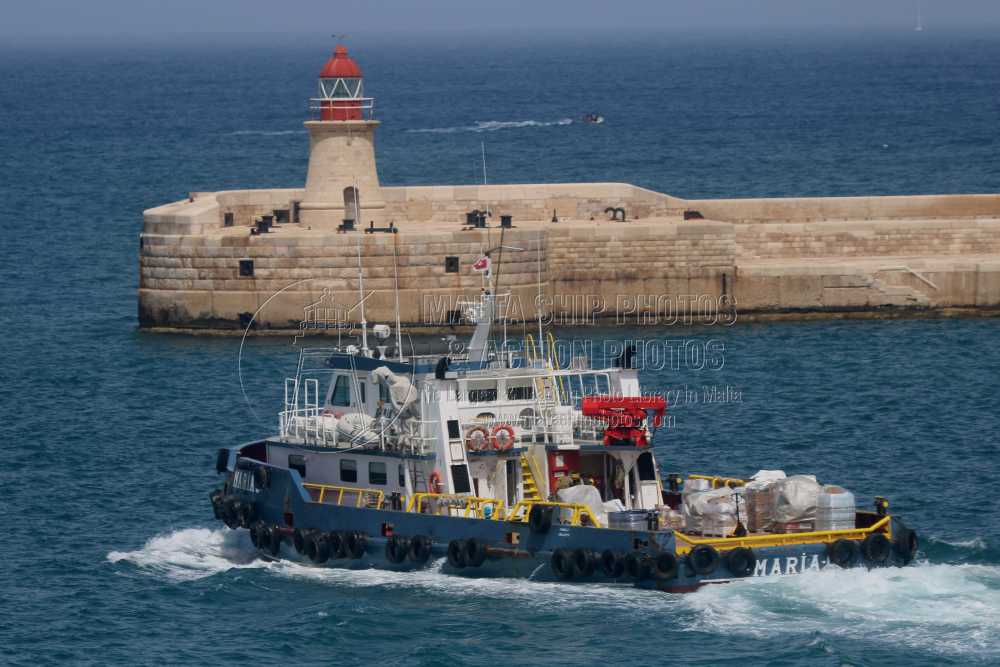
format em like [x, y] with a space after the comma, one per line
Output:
[710, 512]
[796, 499]
[835, 509]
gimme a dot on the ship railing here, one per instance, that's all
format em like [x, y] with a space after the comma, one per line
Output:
[366, 105]
[579, 515]
[718, 482]
[362, 497]
[466, 506]
[685, 543]
[588, 428]
[307, 424]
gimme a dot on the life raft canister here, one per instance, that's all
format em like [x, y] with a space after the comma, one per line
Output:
[502, 437]
[477, 439]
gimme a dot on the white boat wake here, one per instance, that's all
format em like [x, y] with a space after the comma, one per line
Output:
[943, 609]
[494, 125]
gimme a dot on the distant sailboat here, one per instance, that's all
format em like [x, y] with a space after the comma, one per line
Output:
[920, 19]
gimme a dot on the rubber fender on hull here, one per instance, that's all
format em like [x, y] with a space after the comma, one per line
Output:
[396, 548]
[905, 544]
[703, 559]
[561, 562]
[216, 498]
[666, 565]
[632, 564]
[456, 553]
[255, 534]
[475, 552]
[222, 461]
[741, 561]
[229, 512]
[540, 519]
[263, 537]
[299, 541]
[876, 549]
[843, 553]
[338, 545]
[612, 563]
[319, 547]
[262, 477]
[356, 543]
[647, 568]
[247, 513]
[584, 562]
[420, 549]
[273, 544]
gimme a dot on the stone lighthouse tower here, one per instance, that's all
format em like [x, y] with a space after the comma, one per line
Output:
[342, 183]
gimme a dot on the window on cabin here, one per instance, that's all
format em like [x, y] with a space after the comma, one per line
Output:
[460, 476]
[363, 388]
[341, 392]
[297, 462]
[525, 393]
[402, 476]
[348, 470]
[377, 473]
[647, 471]
[383, 393]
[482, 394]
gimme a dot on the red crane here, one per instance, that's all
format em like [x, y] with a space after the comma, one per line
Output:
[624, 416]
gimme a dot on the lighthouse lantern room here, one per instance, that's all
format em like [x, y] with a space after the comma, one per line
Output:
[342, 186]
[341, 90]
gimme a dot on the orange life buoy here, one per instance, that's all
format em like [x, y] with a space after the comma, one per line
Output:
[505, 443]
[474, 444]
[435, 485]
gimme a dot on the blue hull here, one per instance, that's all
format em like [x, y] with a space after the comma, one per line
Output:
[513, 549]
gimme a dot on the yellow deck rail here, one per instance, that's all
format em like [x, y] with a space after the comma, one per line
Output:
[718, 482]
[341, 490]
[686, 543]
[521, 510]
[471, 506]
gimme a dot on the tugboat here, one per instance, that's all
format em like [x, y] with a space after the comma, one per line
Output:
[507, 465]
[593, 118]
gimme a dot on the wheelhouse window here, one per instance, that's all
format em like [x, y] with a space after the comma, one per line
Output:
[348, 470]
[341, 391]
[522, 393]
[377, 473]
[482, 392]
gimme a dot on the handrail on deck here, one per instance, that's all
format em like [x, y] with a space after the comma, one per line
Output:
[471, 505]
[341, 490]
[784, 539]
[718, 481]
[522, 509]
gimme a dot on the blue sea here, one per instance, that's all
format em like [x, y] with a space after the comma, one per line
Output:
[109, 555]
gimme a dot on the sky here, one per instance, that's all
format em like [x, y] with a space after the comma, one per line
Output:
[52, 21]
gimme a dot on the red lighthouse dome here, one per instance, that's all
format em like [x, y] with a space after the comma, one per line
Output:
[341, 95]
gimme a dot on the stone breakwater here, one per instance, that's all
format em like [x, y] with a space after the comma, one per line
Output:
[201, 269]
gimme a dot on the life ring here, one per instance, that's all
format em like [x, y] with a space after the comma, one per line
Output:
[435, 485]
[843, 553]
[703, 559]
[741, 561]
[612, 563]
[474, 444]
[876, 548]
[666, 565]
[502, 444]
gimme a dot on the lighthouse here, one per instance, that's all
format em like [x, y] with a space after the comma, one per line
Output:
[342, 182]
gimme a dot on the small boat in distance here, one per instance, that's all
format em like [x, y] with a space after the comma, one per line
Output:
[593, 118]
